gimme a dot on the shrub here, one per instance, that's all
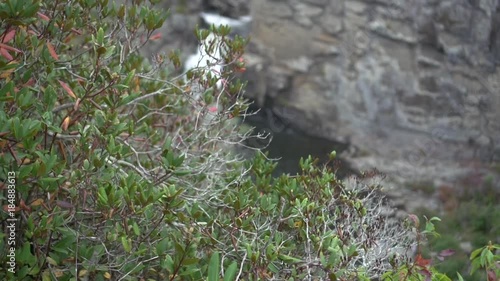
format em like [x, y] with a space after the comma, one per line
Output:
[109, 154]
[308, 226]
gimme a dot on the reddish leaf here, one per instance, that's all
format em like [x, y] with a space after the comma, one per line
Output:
[420, 261]
[43, 17]
[9, 48]
[5, 54]
[7, 209]
[64, 204]
[52, 51]
[156, 36]
[65, 123]
[9, 36]
[76, 31]
[67, 89]
[492, 276]
[23, 206]
[427, 274]
[29, 83]
[447, 253]
[414, 219]
[77, 104]
[212, 109]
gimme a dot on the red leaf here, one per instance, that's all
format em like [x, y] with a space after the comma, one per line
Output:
[420, 261]
[67, 89]
[23, 206]
[6, 54]
[212, 109]
[76, 31]
[9, 36]
[52, 51]
[447, 253]
[427, 274]
[30, 82]
[492, 276]
[43, 17]
[156, 36]
[414, 219]
[7, 209]
[7, 47]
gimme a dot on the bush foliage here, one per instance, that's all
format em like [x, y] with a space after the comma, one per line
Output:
[124, 171]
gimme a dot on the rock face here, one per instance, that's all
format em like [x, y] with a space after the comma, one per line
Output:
[413, 85]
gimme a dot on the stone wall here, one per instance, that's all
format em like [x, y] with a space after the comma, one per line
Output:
[414, 85]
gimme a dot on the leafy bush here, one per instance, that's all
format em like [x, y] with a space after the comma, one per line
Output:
[114, 169]
[307, 226]
[108, 152]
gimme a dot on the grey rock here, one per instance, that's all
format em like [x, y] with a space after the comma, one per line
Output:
[357, 7]
[317, 2]
[393, 30]
[301, 64]
[228, 8]
[307, 10]
[331, 24]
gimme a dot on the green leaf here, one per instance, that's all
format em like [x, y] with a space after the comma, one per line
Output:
[162, 246]
[30, 11]
[5, 90]
[289, 259]
[230, 273]
[476, 264]
[475, 253]
[214, 267]
[127, 245]
[136, 229]
[169, 263]
[129, 77]
[100, 36]
[189, 261]
[25, 256]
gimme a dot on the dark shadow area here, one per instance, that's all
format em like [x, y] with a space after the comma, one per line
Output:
[290, 144]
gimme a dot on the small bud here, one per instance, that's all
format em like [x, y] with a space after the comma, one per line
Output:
[333, 155]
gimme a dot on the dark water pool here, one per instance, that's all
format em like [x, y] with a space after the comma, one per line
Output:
[289, 144]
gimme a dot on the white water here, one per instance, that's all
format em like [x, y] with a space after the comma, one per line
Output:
[212, 60]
